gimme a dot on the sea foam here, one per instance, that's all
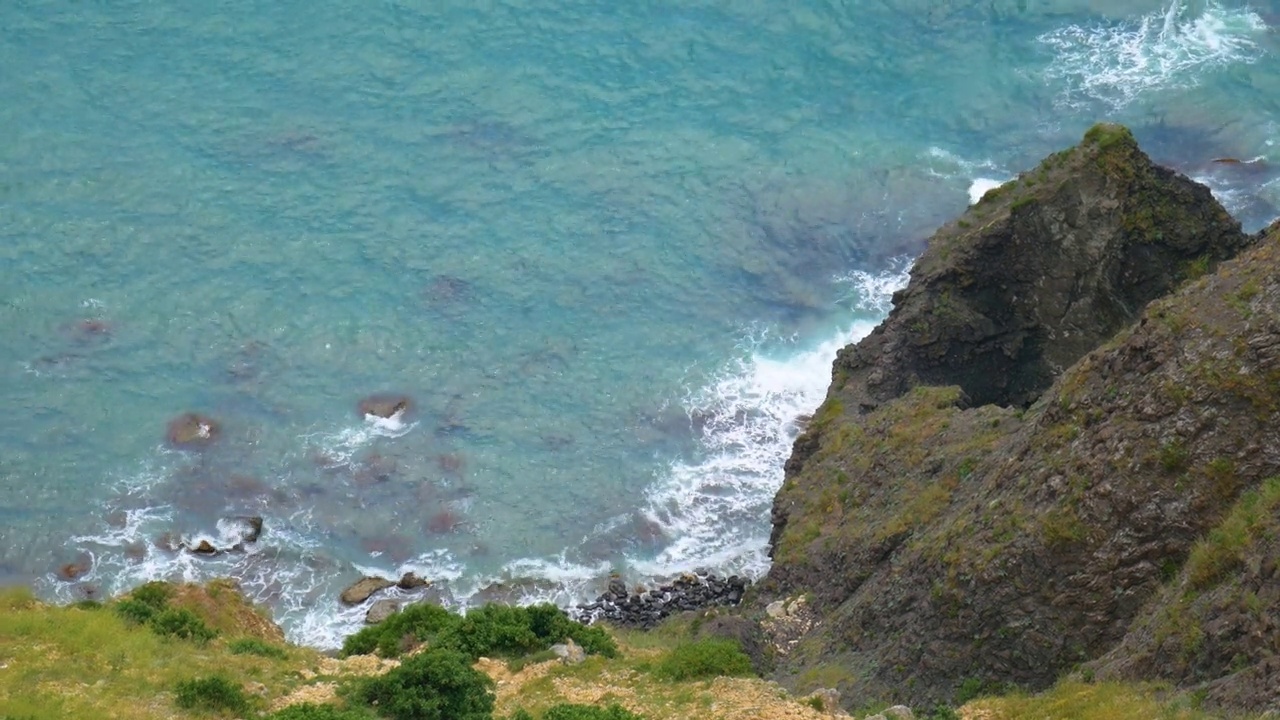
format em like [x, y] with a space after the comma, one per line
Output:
[715, 509]
[1115, 63]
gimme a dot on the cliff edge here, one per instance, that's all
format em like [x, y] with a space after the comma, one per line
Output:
[1058, 449]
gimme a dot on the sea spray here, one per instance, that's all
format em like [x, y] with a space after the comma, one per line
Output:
[1174, 48]
[715, 509]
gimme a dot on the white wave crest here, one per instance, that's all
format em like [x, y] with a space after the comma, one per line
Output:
[1170, 49]
[716, 509]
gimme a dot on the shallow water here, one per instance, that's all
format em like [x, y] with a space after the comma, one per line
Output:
[608, 251]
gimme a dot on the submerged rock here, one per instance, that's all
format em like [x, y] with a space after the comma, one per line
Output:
[192, 430]
[363, 589]
[385, 406]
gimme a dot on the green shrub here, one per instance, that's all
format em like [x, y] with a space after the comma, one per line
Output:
[942, 712]
[182, 623]
[211, 693]
[589, 712]
[499, 630]
[311, 711]
[434, 685]
[254, 646]
[155, 593]
[419, 622]
[87, 605]
[704, 659]
[134, 611]
[505, 631]
[492, 630]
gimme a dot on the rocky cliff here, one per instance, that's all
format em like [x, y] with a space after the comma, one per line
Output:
[1058, 449]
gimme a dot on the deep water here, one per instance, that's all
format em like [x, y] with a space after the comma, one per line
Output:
[609, 249]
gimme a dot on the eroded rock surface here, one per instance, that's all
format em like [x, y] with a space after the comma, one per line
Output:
[1043, 270]
[946, 534]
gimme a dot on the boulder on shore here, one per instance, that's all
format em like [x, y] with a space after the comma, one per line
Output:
[363, 589]
[381, 610]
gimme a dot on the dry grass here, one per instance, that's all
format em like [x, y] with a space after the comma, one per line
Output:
[1080, 701]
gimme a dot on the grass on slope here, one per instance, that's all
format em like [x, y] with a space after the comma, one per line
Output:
[1081, 701]
[72, 663]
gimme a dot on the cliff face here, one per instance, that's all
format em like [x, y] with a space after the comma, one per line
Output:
[1039, 273]
[1125, 516]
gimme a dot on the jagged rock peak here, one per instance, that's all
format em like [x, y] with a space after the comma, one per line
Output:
[1042, 270]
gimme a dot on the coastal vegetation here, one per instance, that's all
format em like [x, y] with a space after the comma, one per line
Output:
[99, 661]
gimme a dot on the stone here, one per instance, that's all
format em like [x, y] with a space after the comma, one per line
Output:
[381, 610]
[204, 547]
[898, 712]
[827, 698]
[192, 431]
[363, 589]
[569, 652]
[385, 406]
[409, 581]
[776, 609]
[76, 568]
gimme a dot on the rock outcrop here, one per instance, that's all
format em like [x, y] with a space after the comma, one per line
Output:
[1041, 271]
[1011, 477]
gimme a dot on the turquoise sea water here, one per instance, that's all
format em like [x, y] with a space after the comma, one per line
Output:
[608, 249]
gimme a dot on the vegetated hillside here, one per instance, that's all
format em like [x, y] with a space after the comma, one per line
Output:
[1127, 513]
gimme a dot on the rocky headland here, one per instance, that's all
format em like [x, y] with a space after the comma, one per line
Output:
[1057, 457]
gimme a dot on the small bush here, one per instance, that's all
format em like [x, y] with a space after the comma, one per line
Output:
[434, 685]
[211, 693]
[420, 621]
[492, 630]
[311, 711]
[589, 712]
[155, 594]
[942, 712]
[704, 659]
[254, 646]
[504, 631]
[134, 611]
[87, 605]
[182, 623]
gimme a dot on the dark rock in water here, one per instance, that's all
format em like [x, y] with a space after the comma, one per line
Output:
[409, 581]
[381, 610]
[363, 589]
[135, 551]
[192, 431]
[204, 547]
[168, 541]
[1041, 271]
[646, 608]
[384, 406]
[252, 527]
[76, 568]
